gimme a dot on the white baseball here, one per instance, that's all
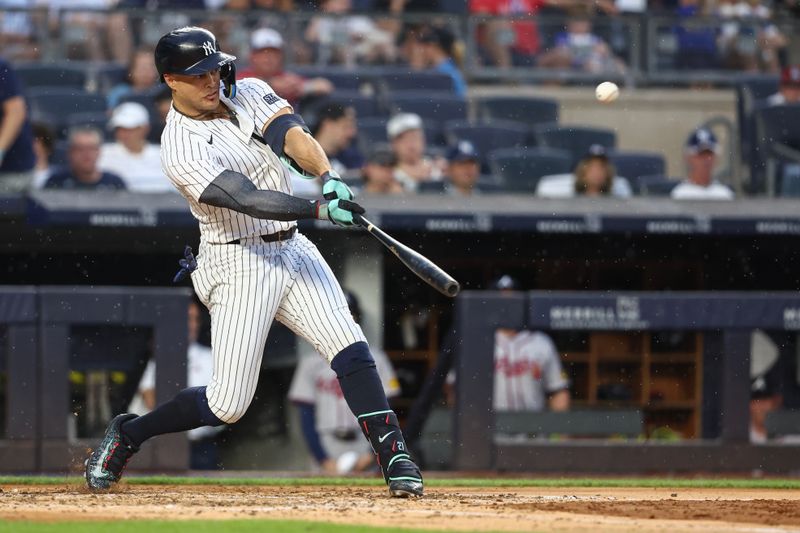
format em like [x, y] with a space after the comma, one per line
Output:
[346, 462]
[606, 92]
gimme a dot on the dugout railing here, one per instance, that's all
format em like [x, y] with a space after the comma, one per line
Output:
[55, 333]
[726, 317]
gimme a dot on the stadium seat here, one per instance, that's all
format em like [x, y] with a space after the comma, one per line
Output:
[342, 80]
[631, 165]
[487, 136]
[97, 120]
[527, 110]
[574, 139]
[520, 168]
[658, 185]
[58, 103]
[365, 106]
[109, 75]
[411, 80]
[37, 75]
[429, 106]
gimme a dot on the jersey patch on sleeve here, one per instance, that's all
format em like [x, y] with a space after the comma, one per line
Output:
[271, 98]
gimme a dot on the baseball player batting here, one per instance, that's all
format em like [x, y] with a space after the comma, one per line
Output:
[225, 147]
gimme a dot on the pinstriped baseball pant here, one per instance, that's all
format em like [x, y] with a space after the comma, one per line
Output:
[245, 288]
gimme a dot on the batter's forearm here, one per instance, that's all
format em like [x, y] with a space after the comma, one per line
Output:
[233, 190]
[306, 151]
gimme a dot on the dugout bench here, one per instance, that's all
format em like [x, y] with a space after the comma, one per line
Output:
[729, 318]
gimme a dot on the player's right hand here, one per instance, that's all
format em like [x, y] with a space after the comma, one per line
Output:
[340, 212]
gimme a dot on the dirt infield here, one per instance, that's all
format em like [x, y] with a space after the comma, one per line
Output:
[467, 509]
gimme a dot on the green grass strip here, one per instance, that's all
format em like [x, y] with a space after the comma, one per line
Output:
[197, 526]
[743, 483]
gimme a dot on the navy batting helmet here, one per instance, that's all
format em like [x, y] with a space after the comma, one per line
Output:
[192, 51]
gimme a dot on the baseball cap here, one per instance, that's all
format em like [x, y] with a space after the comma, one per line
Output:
[439, 36]
[383, 157]
[265, 38]
[504, 283]
[790, 75]
[701, 140]
[129, 115]
[402, 123]
[596, 150]
[462, 151]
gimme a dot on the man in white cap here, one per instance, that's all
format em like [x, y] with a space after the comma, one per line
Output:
[701, 157]
[131, 157]
[407, 138]
[266, 63]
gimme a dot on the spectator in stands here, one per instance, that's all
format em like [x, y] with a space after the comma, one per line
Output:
[463, 169]
[335, 129]
[82, 172]
[329, 428]
[407, 138]
[162, 103]
[508, 43]
[439, 51]
[17, 31]
[199, 369]
[348, 39]
[131, 156]
[579, 49]
[528, 375]
[789, 88]
[378, 173]
[594, 175]
[266, 63]
[142, 78]
[765, 397]
[701, 157]
[43, 145]
[16, 140]
[697, 46]
[749, 39]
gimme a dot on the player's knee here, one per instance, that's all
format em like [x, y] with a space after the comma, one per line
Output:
[228, 412]
[352, 359]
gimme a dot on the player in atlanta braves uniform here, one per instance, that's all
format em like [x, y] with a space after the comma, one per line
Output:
[527, 369]
[329, 428]
[227, 147]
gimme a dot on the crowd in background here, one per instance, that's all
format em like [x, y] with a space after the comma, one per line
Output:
[118, 147]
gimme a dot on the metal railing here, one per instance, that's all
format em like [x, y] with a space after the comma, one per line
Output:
[639, 49]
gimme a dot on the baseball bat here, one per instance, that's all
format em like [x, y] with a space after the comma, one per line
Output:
[417, 263]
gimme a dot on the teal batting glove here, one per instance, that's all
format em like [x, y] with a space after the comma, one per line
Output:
[340, 212]
[334, 188]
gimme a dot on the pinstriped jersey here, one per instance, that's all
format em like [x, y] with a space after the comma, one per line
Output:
[195, 152]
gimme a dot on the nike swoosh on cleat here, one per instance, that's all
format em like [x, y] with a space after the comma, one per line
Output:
[381, 439]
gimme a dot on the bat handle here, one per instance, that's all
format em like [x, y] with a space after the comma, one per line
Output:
[361, 221]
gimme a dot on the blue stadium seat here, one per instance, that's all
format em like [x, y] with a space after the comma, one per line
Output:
[776, 127]
[487, 136]
[56, 104]
[574, 139]
[94, 119]
[415, 80]
[521, 168]
[365, 106]
[430, 105]
[527, 110]
[38, 75]
[658, 185]
[110, 75]
[631, 165]
[342, 80]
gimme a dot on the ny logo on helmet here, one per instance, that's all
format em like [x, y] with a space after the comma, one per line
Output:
[208, 48]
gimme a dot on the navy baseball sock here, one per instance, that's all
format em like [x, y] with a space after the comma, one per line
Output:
[359, 379]
[187, 410]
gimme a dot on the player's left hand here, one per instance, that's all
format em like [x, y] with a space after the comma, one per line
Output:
[334, 188]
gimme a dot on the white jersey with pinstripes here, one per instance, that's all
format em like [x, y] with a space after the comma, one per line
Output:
[195, 152]
[248, 285]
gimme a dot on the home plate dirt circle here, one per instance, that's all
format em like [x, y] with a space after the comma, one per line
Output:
[442, 508]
